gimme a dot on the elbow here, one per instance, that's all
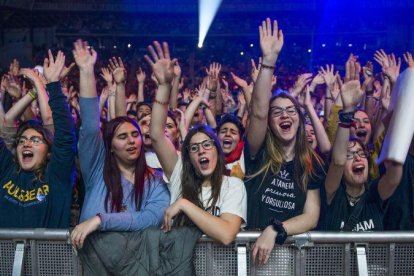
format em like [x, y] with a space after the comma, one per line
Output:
[227, 239]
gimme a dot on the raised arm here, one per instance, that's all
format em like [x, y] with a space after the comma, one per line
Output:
[41, 95]
[119, 73]
[141, 81]
[271, 42]
[85, 59]
[163, 68]
[64, 143]
[175, 85]
[324, 144]
[351, 95]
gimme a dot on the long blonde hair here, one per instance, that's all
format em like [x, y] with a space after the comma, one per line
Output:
[304, 157]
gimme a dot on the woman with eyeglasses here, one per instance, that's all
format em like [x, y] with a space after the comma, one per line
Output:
[353, 205]
[282, 170]
[201, 194]
[37, 182]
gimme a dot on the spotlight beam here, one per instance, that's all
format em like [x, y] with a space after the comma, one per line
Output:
[207, 10]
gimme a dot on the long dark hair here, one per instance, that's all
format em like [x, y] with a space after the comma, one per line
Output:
[47, 136]
[190, 181]
[112, 173]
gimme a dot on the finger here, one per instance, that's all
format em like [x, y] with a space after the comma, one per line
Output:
[253, 64]
[115, 62]
[148, 60]
[266, 258]
[158, 49]
[275, 28]
[46, 63]
[261, 33]
[153, 53]
[269, 27]
[51, 59]
[254, 253]
[121, 64]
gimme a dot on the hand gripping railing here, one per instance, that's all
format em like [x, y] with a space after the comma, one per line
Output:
[47, 252]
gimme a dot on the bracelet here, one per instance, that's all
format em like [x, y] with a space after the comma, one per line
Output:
[346, 118]
[264, 66]
[33, 94]
[343, 125]
[161, 103]
[100, 217]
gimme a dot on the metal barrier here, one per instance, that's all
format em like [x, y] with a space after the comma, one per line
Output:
[47, 252]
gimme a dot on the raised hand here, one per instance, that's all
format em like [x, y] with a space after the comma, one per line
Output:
[107, 76]
[271, 41]
[10, 85]
[239, 81]
[30, 74]
[328, 74]
[304, 97]
[352, 68]
[118, 69]
[409, 59]
[300, 84]
[52, 68]
[66, 70]
[14, 68]
[177, 70]
[141, 76]
[351, 94]
[161, 63]
[390, 65]
[85, 58]
[255, 70]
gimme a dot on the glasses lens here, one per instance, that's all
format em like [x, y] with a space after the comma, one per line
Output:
[208, 145]
[194, 148]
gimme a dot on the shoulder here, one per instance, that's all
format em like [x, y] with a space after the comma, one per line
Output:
[232, 184]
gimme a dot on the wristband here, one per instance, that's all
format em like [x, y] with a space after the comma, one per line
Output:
[160, 102]
[346, 118]
[264, 66]
[281, 231]
[100, 217]
[33, 94]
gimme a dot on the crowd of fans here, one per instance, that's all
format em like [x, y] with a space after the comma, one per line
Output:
[109, 145]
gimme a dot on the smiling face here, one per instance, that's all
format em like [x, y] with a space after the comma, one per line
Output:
[203, 160]
[356, 166]
[361, 129]
[126, 144]
[310, 136]
[31, 150]
[229, 137]
[284, 124]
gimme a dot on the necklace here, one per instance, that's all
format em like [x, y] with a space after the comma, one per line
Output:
[353, 200]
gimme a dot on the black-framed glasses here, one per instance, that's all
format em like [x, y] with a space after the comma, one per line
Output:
[361, 153]
[277, 111]
[35, 140]
[206, 144]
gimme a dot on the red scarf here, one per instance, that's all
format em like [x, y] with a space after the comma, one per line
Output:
[235, 154]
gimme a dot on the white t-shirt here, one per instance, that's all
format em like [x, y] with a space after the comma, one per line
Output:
[232, 199]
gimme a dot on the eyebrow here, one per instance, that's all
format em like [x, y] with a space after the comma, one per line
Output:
[281, 107]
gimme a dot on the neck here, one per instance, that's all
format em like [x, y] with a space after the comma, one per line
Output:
[289, 150]
[206, 182]
[355, 191]
[127, 170]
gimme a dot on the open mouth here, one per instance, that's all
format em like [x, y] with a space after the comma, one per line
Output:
[204, 162]
[361, 133]
[285, 126]
[358, 169]
[227, 143]
[27, 155]
[310, 141]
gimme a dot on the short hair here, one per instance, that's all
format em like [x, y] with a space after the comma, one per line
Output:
[229, 118]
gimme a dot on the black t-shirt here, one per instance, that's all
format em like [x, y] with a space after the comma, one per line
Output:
[274, 196]
[370, 217]
[400, 212]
